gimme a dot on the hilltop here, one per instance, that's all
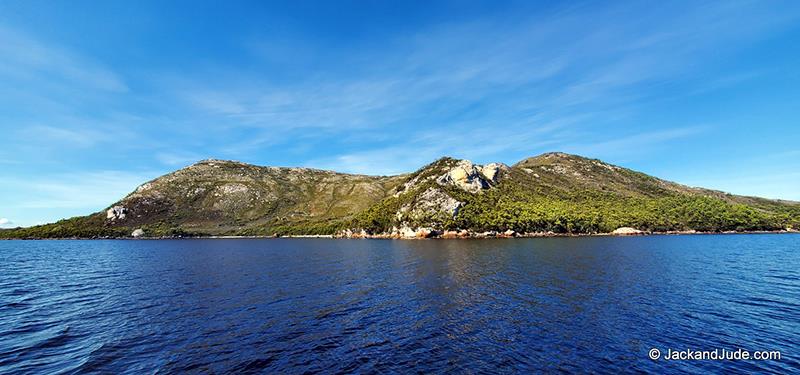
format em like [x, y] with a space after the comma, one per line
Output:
[551, 193]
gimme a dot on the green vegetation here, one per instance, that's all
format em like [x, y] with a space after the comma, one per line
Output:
[596, 213]
[92, 226]
[586, 212]
[563, 193]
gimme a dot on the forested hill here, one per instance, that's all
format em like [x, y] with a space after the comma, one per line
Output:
[551, 193]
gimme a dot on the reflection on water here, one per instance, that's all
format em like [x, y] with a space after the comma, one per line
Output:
[292, 305]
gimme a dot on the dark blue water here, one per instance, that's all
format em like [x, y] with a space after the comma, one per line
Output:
[431, 306]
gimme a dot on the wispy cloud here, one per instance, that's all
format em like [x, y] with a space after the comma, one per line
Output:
[630, 143]
[55, 99]
[5, 222]
[594, 78]
[478, 144]
[27, 57]
[486, 80]
[77, 190]
[62, 136]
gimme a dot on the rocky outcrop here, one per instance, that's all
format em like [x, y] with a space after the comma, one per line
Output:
[471, 177]
[425, 233]
[137, 233]
[407, 232]
[627, 231]
[346, 233]
[508, 234]
[455, 234]
[116, 213]
[492, 171]
[431, 203]
[402, 232]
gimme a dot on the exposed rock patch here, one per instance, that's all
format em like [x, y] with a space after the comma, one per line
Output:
[234, 188]
[472, 177]
[627, 231]
[407, 232]
[492, 171]
[433, 202]
[116, 213]
[508, 234]
[143, 187]
[456, 234]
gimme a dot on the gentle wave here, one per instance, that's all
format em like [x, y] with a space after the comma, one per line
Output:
[337, 306]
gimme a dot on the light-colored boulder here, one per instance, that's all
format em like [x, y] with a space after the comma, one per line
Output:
[116, 213]
[406, 232]
[472, 177]
[137, 233]
[491, 171]
[348, 233]
[626, 231]
[465, 176]
[461, 173]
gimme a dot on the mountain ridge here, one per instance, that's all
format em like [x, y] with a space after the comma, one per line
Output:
[554, 192]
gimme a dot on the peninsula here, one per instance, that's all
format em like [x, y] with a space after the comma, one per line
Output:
[550, 194]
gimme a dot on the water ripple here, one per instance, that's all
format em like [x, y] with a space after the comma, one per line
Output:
[323, 306]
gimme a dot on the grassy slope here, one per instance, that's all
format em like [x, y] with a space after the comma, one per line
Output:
[229, 198]
[220, 197]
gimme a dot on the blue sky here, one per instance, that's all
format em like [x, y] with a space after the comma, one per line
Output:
[99, 97]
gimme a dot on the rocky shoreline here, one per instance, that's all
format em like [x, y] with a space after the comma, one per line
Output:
[448, 235]
[426, 233]
[422, 235]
